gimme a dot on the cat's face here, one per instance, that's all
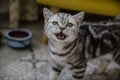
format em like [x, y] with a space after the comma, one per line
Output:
[62, 27]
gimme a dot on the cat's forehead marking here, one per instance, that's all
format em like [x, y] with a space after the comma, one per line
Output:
[63, 18]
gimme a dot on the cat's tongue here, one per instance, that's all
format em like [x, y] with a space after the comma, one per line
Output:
[61, 36]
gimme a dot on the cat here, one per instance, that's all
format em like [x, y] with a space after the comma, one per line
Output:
[69, 40]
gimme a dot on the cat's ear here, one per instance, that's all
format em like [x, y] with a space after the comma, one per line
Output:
[79, 17]
[47, 14]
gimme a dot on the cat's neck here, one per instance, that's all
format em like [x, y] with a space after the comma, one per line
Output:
[57, 44]
[61, 46]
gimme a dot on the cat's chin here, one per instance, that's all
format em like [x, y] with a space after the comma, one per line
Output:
[61, 36]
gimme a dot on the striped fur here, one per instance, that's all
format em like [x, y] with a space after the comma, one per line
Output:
[69, 42]
[103, 38]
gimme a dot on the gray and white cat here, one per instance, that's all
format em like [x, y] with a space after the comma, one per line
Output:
[69, 42]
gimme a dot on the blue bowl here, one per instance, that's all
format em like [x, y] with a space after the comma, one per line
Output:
[18, 38]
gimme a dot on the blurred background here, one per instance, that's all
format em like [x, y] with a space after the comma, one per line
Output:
[16, 11]
[20, 13]
[27, 14]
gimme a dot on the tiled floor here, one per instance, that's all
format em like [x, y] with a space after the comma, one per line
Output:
[21, 64]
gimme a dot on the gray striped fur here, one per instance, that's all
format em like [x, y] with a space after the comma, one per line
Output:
[69, 42]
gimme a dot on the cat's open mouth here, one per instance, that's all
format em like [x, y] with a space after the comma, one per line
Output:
[60, 36]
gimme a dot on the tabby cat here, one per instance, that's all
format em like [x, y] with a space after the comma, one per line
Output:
[68, 42]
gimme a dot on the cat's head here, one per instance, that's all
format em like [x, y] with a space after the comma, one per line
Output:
[62, 26]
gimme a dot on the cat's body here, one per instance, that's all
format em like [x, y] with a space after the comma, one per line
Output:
[68, 42]
[101, 38]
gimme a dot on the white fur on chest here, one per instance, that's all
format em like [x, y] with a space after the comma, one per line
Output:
[58, 48]
[59, 60]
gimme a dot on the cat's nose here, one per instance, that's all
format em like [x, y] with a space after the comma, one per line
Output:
[62, 28]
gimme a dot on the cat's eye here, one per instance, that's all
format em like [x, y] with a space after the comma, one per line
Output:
[69, 25]
[55, 23]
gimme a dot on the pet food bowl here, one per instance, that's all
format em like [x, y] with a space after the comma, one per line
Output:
[18, 38]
